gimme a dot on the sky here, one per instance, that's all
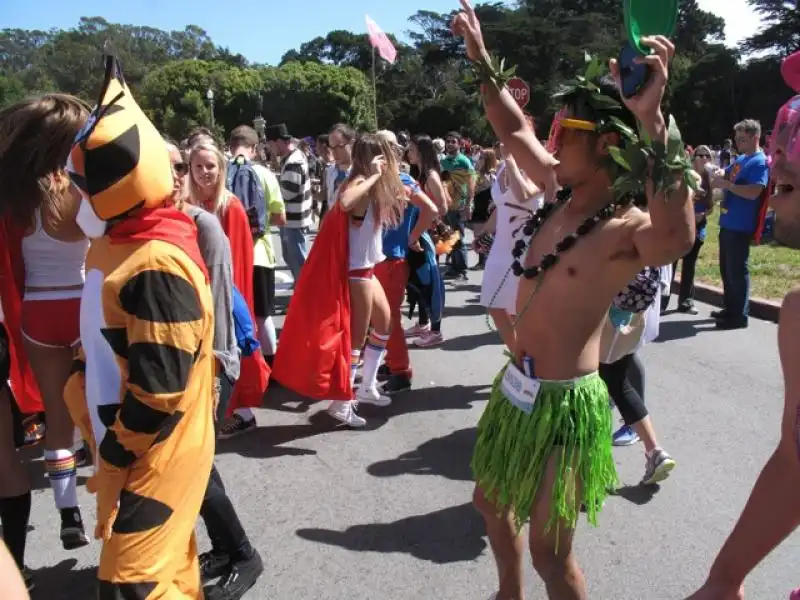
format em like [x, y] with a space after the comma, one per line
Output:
[264, 30]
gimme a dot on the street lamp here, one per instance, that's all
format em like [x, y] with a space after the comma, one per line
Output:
[210, 96]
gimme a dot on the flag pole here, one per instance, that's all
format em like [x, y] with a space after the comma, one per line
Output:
[374, 91]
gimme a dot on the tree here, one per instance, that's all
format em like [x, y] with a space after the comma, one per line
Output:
[329, 78]
[781, 34]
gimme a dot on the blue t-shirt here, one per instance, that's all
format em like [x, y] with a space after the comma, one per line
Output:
[395, 241]
[737, 213]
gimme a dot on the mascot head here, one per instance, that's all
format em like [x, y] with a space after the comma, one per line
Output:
[118, 162]
[784, 143]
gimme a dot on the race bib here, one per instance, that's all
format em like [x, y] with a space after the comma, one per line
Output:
[519, 389]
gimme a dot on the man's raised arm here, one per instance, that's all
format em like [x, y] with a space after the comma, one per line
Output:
[504, 114]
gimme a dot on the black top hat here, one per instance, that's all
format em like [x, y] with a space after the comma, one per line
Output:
[277, 132]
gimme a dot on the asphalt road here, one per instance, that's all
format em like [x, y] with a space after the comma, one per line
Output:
[384, 513]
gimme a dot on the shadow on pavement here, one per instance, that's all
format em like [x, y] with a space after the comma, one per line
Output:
[678, 330]
[454, 397]
[637, 494]
[62, 582]
[468, 309]
[267, 442]
[470, 342]
[283, 400]
[446, 456]
[453, 534]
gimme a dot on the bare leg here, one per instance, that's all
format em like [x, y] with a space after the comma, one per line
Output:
[51, 367]
[505, 327]
[772, 511]
[559, 569]
[361, 301]
[644, 429]
[507, 547]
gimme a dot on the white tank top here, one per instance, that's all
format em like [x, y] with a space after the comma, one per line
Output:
[366, 242]
[504, 233]
[51, 263]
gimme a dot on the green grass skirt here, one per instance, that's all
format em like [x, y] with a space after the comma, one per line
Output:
[570, 420]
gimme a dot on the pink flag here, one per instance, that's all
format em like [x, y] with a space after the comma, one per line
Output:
[381, 41]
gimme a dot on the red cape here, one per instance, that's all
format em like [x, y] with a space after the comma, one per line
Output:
[12, 284]
[313, 357]
[237, 229]
[248, 392]
[761, 217]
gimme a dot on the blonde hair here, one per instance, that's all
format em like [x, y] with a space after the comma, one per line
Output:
[222, 196]
[388, 194]
[489, 161]
[36, 136]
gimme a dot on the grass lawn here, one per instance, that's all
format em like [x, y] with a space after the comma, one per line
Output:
[774, 270]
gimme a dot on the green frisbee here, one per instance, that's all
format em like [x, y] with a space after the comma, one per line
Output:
[649, 17]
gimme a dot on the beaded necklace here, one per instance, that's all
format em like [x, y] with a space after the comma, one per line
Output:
[548, 261]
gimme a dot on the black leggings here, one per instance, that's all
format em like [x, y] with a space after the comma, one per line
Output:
[622, 378]
[224, 527]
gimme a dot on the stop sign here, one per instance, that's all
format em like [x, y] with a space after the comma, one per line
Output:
[520, 90]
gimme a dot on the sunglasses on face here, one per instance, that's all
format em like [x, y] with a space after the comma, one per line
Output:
[561, 123]
[702, 156]
[180, 168]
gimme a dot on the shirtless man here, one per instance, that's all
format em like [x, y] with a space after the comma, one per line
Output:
[539, 462]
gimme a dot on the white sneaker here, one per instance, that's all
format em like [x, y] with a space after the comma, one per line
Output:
[417, 330]
[429, 339]
[372, 396]
[345, 411]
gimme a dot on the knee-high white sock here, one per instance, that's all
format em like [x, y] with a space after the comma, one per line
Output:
[373, 356]
[266, 335]
[63, 475]
[355, 358]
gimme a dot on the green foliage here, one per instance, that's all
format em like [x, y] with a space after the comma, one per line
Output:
[329, 78]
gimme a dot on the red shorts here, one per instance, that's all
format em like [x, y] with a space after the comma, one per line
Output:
[52, 323]
[362, 274]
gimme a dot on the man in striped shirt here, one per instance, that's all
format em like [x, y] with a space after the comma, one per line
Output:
[296, 190]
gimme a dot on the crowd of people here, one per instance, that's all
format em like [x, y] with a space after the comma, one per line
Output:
[138, 290]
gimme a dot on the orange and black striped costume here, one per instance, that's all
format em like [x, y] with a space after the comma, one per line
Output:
[142, 386]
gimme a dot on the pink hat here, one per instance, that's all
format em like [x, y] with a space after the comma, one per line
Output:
[790, 69]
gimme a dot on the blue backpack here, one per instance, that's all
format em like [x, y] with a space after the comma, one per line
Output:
[244, 183]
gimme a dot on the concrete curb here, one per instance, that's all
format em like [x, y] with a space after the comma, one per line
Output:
[768, 310]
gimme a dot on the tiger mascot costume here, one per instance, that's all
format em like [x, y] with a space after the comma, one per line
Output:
[141, 389]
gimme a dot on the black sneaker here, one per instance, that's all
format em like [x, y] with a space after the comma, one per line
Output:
[687, 307]
[72, 533]
[213, 565]
[731, 324]
[83, 457]
[396, 384]
[236, 425]
[719, 314]
[27, 577]
[384, 374]
[241, 576]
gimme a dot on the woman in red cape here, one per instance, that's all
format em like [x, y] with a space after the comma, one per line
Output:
[313, 357]
[337, 296]
[207, 168]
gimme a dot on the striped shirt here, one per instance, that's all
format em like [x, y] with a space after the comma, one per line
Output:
[296, 190]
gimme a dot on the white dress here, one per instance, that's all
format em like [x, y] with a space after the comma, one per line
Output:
[499, 287]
